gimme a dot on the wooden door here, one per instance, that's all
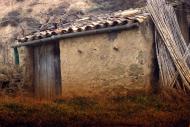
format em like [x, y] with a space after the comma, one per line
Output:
[47, 74]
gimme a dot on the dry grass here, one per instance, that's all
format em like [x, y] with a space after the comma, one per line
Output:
[135, 109]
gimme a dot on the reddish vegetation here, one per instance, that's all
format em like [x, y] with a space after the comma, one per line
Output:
[130, 110]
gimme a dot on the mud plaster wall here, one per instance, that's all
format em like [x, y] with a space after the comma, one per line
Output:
[6, 55]
[102, 63]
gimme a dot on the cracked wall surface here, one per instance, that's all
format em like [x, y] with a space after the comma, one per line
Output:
[97, 63]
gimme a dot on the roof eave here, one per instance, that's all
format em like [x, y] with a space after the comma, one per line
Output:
[77, 34]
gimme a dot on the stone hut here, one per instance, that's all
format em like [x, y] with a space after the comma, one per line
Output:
[92, 55]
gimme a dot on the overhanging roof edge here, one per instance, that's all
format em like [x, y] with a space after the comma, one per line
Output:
[77, 34]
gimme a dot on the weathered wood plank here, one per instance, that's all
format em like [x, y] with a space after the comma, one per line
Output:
[47, 71]
[43, 72]
[57, 69]
[51, 73]
[36, 72]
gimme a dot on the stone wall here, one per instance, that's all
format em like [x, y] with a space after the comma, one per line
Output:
[98, 64]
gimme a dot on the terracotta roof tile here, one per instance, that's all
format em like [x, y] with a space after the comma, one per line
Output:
[90, 23]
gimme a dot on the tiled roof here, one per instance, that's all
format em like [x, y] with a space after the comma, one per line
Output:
[88, 23]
